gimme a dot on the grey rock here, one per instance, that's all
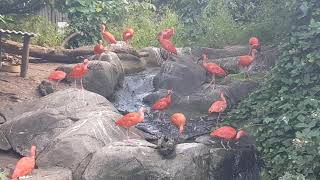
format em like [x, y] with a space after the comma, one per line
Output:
[45, 88]
[182, 75]
[50, 174]
[131, 64]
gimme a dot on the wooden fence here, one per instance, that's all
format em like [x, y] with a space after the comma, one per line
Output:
[52, 15]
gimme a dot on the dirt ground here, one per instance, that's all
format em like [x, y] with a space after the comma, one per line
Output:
[14, 89]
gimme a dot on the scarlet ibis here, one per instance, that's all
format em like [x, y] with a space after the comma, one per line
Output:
[179, 120]
[99, 48]
[79, 70]
[163, 103]
[107, 36]
[218, 106]
[25, 165]
[131, 119]
[167, 33]
[57, 76]
[228, 133]
[168, 45]
[127, 34]
[245, 61]
[213, 69]
[254, 43]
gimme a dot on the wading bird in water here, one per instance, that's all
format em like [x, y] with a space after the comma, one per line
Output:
[246, 61]
[99, 48]
[25, 165]
[57, 76]
[179, 120]
[163, 103]
[213, 69]
[107, 36]
[127, 34]
[131, 119]
[218, 106]
[228, 133]
[79, 71]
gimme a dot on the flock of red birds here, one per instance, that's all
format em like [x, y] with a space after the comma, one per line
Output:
[26, 164]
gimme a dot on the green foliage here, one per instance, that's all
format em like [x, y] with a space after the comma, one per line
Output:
[287, 106]
[147, 25]
[48, 32]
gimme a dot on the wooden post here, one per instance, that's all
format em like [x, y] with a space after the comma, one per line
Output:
[25, 56]
[0, 48]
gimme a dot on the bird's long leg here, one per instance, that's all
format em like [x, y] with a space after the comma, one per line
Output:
[228, 145]
[127, 134]
[222, 144]
[82, 92]
[75, 83]
[218, 119]
[212, 81]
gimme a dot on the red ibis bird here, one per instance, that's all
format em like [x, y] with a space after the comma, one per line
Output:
[254, 43]
[218, 106]
[167, 33]
[25, 165]
[107, 36]
[79, 71]
[179, 120]
[213, 69]
[228, 133]
[168, 45]
[99, 48]
[127, 34]
[246, 60]
[57, 76]
[163, 103]
[131, 119]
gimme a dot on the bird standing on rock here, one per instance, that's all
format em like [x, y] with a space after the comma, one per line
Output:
[228, 133]
[107, 36]
[163, 103]
[179, 120]
[25, 165]
[255, 44]
[164, 38]
[127, 34]
[246, 61]
[79, 71]
[213, 69]
[167, 33]
[218, 106]
[131, 119]
[99, 48]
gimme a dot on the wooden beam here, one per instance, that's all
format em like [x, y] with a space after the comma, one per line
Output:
[25, 57]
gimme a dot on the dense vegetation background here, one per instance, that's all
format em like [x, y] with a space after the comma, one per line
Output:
[286, 108]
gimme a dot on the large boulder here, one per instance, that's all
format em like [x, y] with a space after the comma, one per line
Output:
[67, 127]
[140, 160]
[105, 74]
[131, 64]
[182, 74]
[50, 174]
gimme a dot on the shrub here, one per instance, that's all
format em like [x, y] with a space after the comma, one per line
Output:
[287, 105]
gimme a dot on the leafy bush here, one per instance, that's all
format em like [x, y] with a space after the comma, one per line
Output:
[147, 25]
[287, 105]
[48, 32]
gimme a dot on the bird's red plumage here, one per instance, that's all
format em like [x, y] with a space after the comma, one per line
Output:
[130, 119]
[168, 45]
[127, 34]
[215, 69]
[57, 75]
[167, 33]
[25, 165]
[254, 41]
[98, 49]
[179, 120]
[245, 60]
[79, 70]
[162, 103]
[225, 132]
[219, 105]
[107, 36]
